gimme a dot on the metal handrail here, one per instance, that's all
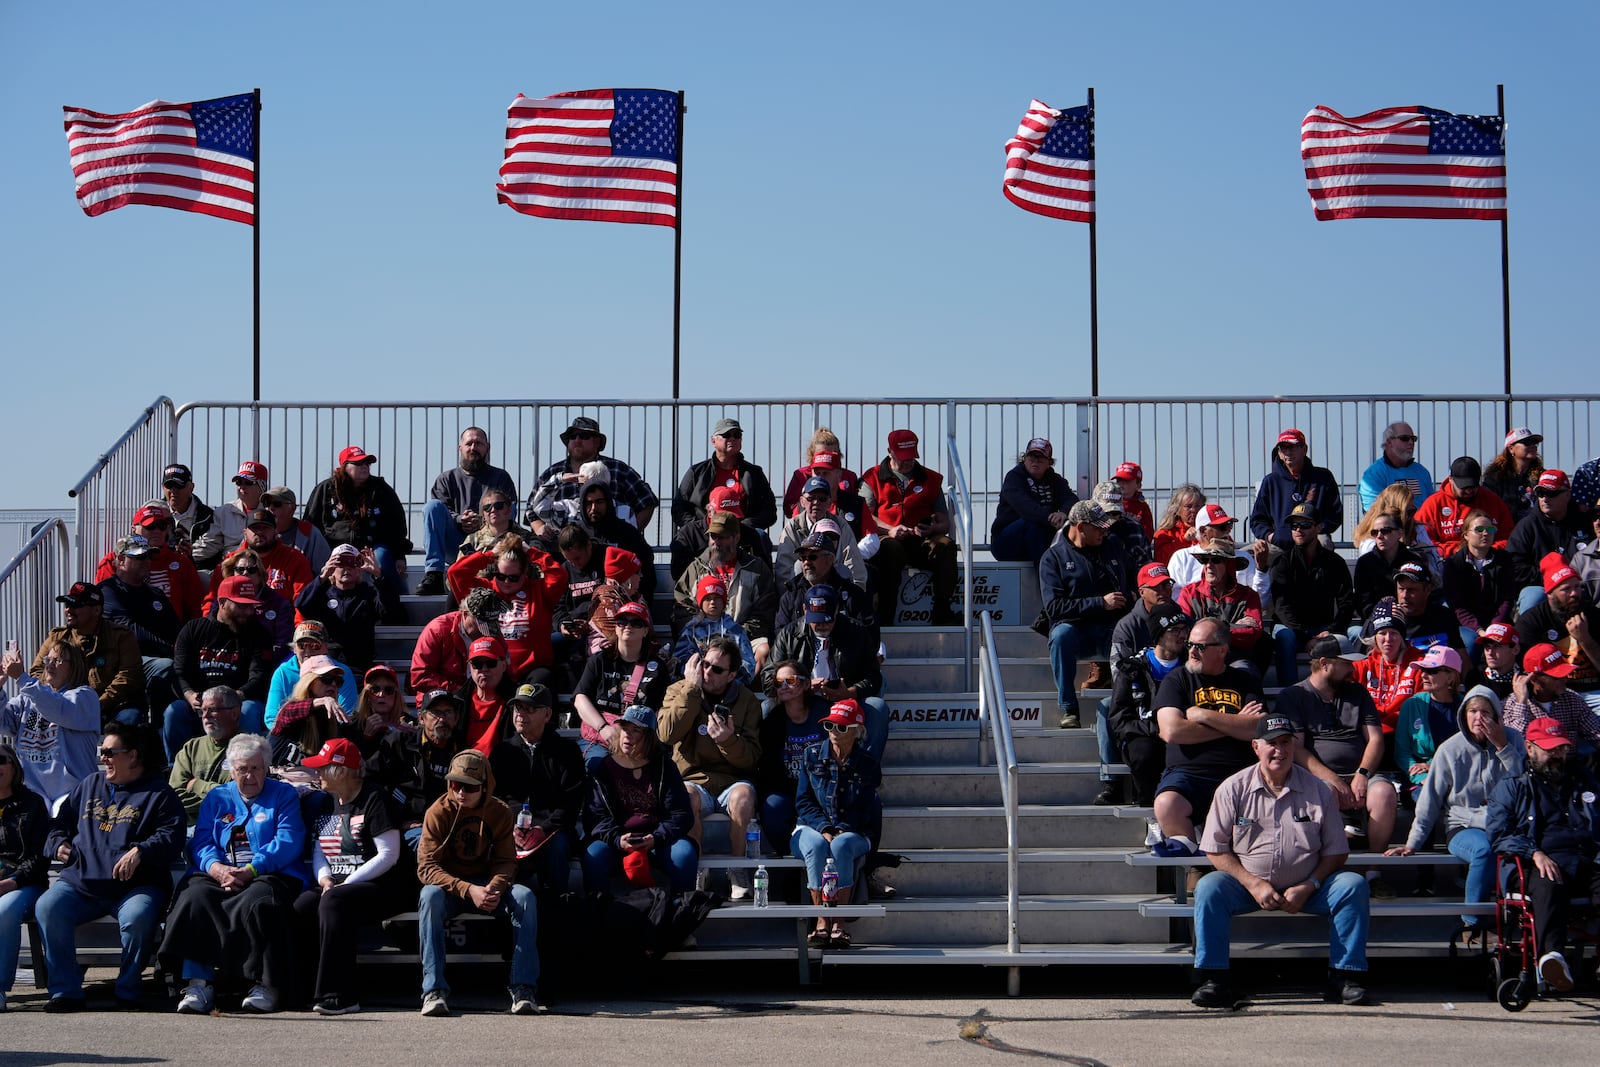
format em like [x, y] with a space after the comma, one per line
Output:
[962, 506]
[995, 712]
[30, 583]
[125, 475]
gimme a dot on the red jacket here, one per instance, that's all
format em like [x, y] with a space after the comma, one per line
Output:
[288, 572]
[171, 573]
[440, 659]
[894, 506]
[1139, 511]
[1235, 607]
[1389, 683]
[1167, 542]
[1443, 514]
[797, 481]
[527, 623]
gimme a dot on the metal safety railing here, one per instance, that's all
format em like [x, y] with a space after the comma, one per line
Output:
[961, 512]
[994, 720]
[124, 477]
[29, 585]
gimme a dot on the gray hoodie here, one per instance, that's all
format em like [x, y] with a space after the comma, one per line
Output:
[1463, 774]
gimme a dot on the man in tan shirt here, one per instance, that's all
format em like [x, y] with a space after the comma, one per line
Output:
[1277, 842]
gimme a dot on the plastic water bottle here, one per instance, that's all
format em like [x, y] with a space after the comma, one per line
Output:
[759, 883]
[525, 819]
[830, 884]
[752, 843]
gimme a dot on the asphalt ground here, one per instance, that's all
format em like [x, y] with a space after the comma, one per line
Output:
[756, 1015]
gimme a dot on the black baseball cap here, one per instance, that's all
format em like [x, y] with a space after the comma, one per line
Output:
[176, 475]
[1272, 726]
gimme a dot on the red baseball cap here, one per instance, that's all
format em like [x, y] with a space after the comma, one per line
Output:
[638, 609]
[239, 589]
[1554, 479]
[847, 713]
[356, 454]
[1291, 436]
[487, 647]
[710, 585]
[1547, 733]
[1546, 659]
[151, 513]
[1498, 633]
[620, 564]
[729, 498]
[825, 461]
[1129, 469]
[1556, 571]
[340, 751]
[1212, 515]
[903, 444]
[1153, 574]
[251, 471]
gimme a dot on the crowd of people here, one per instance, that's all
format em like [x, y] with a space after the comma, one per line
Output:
[216, 695]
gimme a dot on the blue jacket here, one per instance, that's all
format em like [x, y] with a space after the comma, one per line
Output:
[101, 822]
[701, 629]
[831, 796]
[1073, 582]
[1280, 492]
[1523, 807]
[272, 826]
[1017, 500]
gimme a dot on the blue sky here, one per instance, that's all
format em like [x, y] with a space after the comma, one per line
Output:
[844, 227]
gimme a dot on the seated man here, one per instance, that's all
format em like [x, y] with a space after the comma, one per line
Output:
[1132, 719]
[817, 556]
[561, 482]
[1124, 527]
[1396, 463]
[598, 515]
[484, 719]
[1569, 619]
[539, 773]
[1293, 479]
[1427, 621]
[347, 598]
[1277, 842]
[193, 521]
[752, 594]
[234, 515]
[451, 513]
[202, 764]
[410, 765]
[439, 660]
[169, 571]
[116, 670]
[816, 506]
[1342, 740]
[1085, 581]
[839, 656]
[726, 466]
[298, 534]
[711, 725]
[132, 602]
[288, 572]
[694, 536]
[1206, 712]
[1211, 522]
[1541, 692]
[1219, 595]
[466, 862]
[116, 836]
[1497, 649]
[310, 639]
[1552, 526]
[232, 649]
[1033, 505]
[1547, 816]
[907, 502]
[1444, 512]
[1314, 593]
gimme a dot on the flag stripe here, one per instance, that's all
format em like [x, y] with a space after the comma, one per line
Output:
[195, 156]
[1404, 162]
[1050, 170]
[600, 155]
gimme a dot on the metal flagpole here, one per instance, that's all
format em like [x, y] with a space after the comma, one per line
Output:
[255, 228]
[1505, 262]
[677, 287]
[1094, 318]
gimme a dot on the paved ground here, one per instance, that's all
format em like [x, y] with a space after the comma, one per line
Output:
[934, 1018]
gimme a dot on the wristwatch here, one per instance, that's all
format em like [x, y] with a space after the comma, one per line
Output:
[1363, 772]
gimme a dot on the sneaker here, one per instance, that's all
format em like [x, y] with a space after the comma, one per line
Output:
[197, 999]
[1344, 989]
[261, 1000]
[432, 584]
[1215, 993]
[1553, 969]
[1152, 834]
[1110, 793]
[739, 892]
[335, 1005]
[1069, 719]
[58, 1005]
[523, 1001]
[1379, 887]
[434, 1005]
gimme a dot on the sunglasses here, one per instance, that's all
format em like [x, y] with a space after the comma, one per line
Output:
[717, 668]
[508, 579]
[161, 525]
[1201, 646]
[382, 690]
[1485, 529]
[584, 435]
[485, 664]
[807, 557]
[463, 787]
[1408, 438]
[498, 505]
[834, 727]
[734, 435]
[247, 570]
[788, 682]
[1302, 525]
[1379, 531]
[1546, 494]
[631, 623]
[111, 753]
[52, 664]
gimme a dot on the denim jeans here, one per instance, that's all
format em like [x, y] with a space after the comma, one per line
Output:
[876, 711]
[1343, 898]
[1021, 541]
[181, 723]
[551, 866]
[389, 563]
[1069, 641]
[441, 537]
[435, 907]
[1472, 845]
[64, 908]
[1469, 643]
[16, 908]
[847, 850]
[1107, 741]
[1286, 644]
[777, 818]
[1528, 598]
[160, 682]
[600, 861]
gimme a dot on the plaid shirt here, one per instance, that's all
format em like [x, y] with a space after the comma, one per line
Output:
[1569, 709]
[627, 487]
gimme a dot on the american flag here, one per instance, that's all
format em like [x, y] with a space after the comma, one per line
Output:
[1405, 163]
[605, 155]
[193, 157]
[1050, 163]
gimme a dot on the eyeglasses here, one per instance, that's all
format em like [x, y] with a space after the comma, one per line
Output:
[1302, 525]
[1546, 494]
[1201, 646]
[1379, 531]
[1485, 529]
[382, 690]
[463, 787]
[278, 503]
[111, 753]
[247, 570]
[497, 505]
[834, 727]
[782, 682]
[508, 579]
[1408, 438]
[717, 668]
[631, 623]
[485, 664]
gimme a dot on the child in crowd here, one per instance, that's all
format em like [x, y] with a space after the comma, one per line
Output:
[711, 595]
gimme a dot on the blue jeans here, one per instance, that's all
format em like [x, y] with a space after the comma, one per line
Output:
[441, 537]
[876, 712]
[777, 818]
[1286, 643]
[160, 682]
[847, 851]
[1107, 741]
[600, 861]
[389, 563]
[16, 908]
[1530, 597]
[1472, 845]
[1469, 643]
[435, 906]
[1069, 641]
[64, 908]
[1021, 541]
[1343, 898]
[181, 724]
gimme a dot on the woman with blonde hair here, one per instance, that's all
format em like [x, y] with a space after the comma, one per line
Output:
[1396, 500]
[311, 715]
[55, 719]
[825, 442]
[532, 583]
[1177, 529]
[380, 710]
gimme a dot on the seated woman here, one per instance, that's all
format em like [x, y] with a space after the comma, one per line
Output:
[837, 805]
[1465, 770]
[791, 722]
[357, 875]
[1479, 579]
[636, 670]
[312, 715]
[824, 442]
[496, 507]
[1177, 522]
[532, 583]
[379, 712]
[1034, 501]
[54, 721]
[24, 870]
[246, 867]
[1428, 719]
[1397, 500]
[353, 506]
[638, 812]
[1375, 569]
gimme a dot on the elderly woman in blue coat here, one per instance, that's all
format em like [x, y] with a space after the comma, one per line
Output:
[836, 809]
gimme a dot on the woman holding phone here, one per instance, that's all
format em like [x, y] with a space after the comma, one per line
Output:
[638, 812]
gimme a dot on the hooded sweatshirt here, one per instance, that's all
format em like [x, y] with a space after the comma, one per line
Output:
[462, 847]
[56, 736]
[101, 822]
[1463, 775]
[1443, 514]
[1280, 491]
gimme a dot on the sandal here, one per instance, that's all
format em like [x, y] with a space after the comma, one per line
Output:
[838, 940]
[817, 939]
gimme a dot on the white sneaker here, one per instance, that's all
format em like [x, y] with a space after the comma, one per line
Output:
[1553, 969]
[261, 1000]
[434, 1005]
[739, 892]
[197, 999]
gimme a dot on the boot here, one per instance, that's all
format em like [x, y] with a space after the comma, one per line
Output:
[1111, 792]
[1099, 676]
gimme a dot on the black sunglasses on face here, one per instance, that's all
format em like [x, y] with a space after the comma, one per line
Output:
[507, 579]
[584, 435]
[485, 664]
[1408, 438]
[1546, 494]
[1301, 525]
[497, 505]
[1201, 646]
[1379, 531]
[382, 690]
[111, 753]
[247, 570]
[631, 624]
[717, 668]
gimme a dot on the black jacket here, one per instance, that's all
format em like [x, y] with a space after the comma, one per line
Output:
[855, 655]
[1374, 579]
[1133, 696]
[549, 779]
[146, 611]
[607, 820]
[692, 539]
[351, 618]
[207, 653]
[1072, 582]
[1480, 597]
[1018, 500]
[852, 601]
[760, 505]
[1536, 536]
[1313, 595]
[24, 825]
[377, 519]
[404, 768]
